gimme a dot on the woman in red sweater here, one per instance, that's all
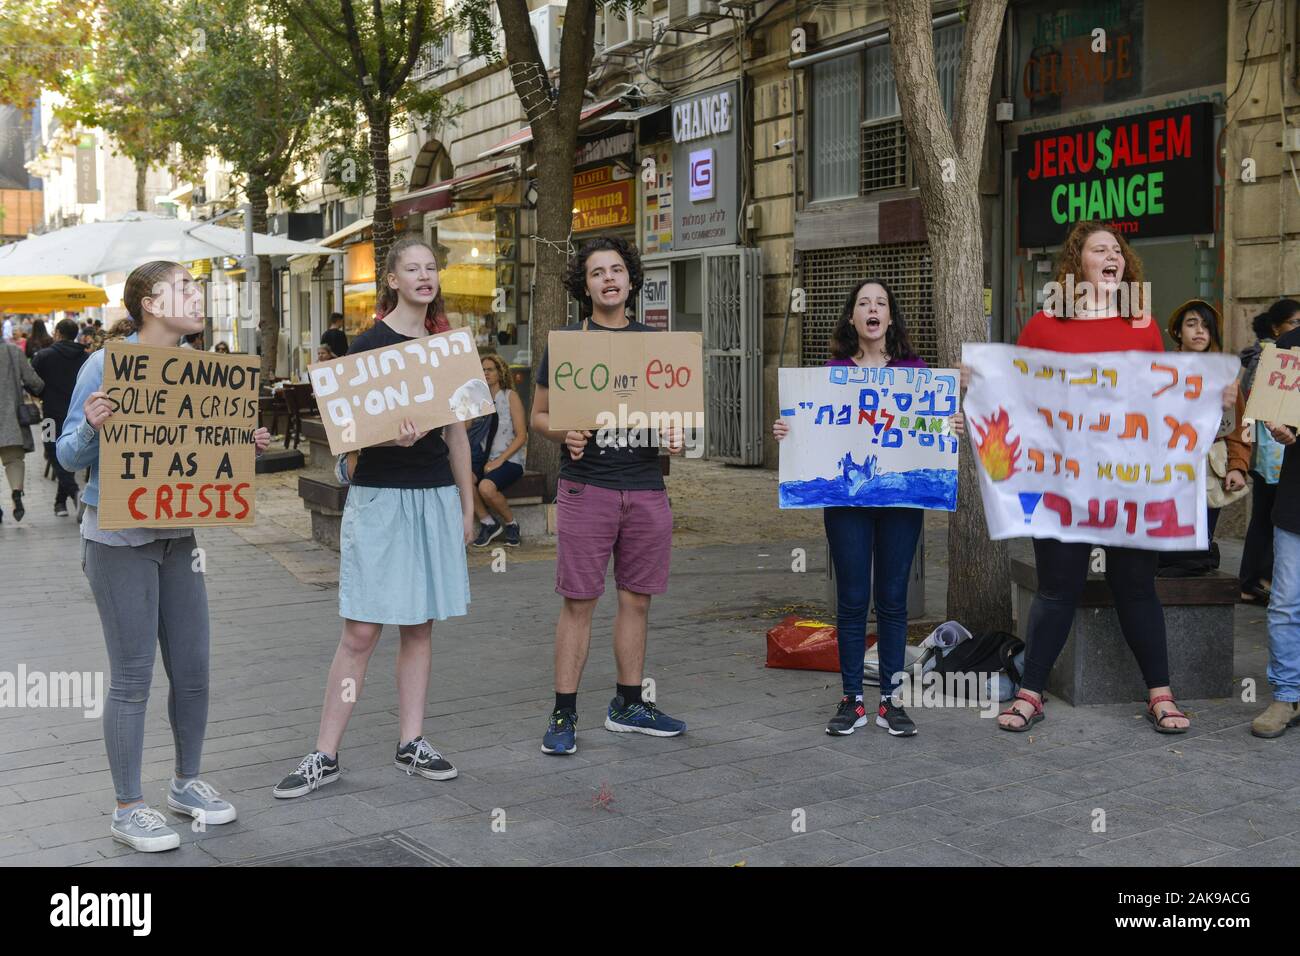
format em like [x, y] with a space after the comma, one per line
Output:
[1098, 324]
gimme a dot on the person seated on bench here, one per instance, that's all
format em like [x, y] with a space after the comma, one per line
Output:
[505, 457]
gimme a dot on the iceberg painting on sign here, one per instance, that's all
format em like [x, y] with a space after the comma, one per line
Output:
[868, 437]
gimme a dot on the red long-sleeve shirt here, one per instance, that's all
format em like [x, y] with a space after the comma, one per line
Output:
[1091, 335]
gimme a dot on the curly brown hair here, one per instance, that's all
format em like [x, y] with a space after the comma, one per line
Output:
[1070, 262]
[575, 273]
[503, 371]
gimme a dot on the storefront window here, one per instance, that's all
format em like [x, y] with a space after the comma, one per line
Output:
[467, 250]
[359, 297]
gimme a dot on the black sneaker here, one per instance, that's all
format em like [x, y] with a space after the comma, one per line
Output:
[894, 719]
[849, 716]
[486, 532]
[512, 535]
[314, 771]
[60, 509]
[419, 757]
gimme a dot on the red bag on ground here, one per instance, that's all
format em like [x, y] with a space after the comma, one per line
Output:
[806, 645]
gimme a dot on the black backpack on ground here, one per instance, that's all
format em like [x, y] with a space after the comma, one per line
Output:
[987, 653]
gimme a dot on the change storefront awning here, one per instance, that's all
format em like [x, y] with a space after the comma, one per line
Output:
[48, 293]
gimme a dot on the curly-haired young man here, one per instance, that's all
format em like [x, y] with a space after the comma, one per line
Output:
[610, 500]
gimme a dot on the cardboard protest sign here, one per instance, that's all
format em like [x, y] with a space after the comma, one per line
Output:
[626, 379]
[1275, 393]
[363, 397]
[178, 450]
[869, 437]
[1106, 448]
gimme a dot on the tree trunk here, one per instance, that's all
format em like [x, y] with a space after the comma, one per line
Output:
[381, 222]
[554, 118]
[141, 174]
[947, 159]
[268, 325]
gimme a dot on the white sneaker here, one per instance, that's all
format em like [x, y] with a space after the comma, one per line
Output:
[202, 802]
[146, 830]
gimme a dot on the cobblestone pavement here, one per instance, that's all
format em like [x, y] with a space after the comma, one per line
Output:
[754, 781]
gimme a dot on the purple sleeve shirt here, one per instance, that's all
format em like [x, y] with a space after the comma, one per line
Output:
[901, 363]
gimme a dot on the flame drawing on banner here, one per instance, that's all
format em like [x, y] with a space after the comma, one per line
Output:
[998, 455]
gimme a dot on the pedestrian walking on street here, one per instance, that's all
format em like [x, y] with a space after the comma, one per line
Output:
[58, 366]
[610, 500]
[334, 336]
[146, 588]
[870, 545]
[505, 457]
[39, 339]
[1103, 260]
[1256, 568]
[17, 416]
[408, 518]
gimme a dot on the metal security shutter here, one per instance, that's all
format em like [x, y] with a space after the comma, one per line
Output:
[829, 275]
[733, 356]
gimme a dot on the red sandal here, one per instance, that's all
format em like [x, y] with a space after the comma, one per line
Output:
[1156, 721]
[1026, 722]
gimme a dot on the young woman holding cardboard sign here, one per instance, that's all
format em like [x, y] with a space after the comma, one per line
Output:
[610, 500]
[409, 515]
[146, 588]
[870, 545]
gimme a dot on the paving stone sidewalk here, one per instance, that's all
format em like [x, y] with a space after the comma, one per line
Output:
[754, 768]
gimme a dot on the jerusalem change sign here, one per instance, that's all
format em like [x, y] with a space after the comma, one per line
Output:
[1107, 448]
[626, 380]
[365, 396]
[872, 437]
[178, 451]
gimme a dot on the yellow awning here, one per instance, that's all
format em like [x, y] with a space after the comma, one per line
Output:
[47, 293]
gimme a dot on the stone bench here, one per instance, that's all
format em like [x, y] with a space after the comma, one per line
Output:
[1097, 667]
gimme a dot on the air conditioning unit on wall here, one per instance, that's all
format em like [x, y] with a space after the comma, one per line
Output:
[548, 25]
[625, 30]
[689, 14]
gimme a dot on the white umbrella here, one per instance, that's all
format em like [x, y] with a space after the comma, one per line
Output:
[119, 245]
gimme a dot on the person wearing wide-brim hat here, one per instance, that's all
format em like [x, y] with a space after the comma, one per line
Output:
[1195, 326]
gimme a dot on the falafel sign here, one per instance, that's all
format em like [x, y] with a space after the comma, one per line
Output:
[178, 451]
[1105, 448]
[364, 396]
[1151, 174]
[626, 381]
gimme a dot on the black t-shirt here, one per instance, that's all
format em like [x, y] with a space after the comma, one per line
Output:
[425, 464]
[620, 467]
[336, 339]
[1286, 503]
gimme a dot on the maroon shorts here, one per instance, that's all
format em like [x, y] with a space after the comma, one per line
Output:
[593, 522]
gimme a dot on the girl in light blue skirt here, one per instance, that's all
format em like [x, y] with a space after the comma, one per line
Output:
[408, 518]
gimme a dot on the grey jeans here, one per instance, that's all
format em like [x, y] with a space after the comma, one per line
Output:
[149, 597]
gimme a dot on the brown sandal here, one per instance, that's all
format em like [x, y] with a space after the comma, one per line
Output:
[1026, 722]
[1156, 721]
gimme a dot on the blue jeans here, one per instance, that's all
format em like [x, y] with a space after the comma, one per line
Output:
[1284, 618]
[856, 535]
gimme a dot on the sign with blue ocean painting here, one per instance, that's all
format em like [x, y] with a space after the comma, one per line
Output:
[868, 437]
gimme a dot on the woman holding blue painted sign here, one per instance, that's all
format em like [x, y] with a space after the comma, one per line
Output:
[871, 333]
[148, 592]
[408, 517]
